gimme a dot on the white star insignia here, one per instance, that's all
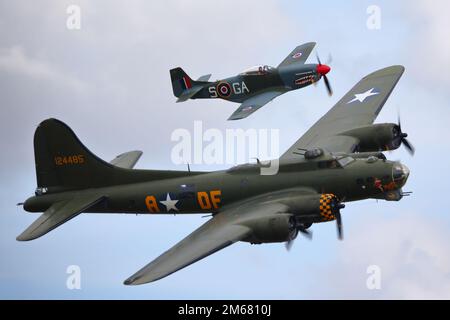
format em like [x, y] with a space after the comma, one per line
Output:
[170, 204]
[363, 96]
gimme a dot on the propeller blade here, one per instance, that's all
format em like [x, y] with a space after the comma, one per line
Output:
[339, 226]
[308, 234]
[318, 58]
[288, 244]
[327, 85]
[403, 140]
[408, 146]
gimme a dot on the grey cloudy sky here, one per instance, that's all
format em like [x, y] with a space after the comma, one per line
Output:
[109, 81]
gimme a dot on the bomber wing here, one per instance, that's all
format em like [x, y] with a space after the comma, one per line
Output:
[230, 225]
[359, 107]
[217, 233]
[254, 103]
[299, 55]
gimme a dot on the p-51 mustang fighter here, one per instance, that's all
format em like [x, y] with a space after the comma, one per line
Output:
[339, 159]
[256, 86]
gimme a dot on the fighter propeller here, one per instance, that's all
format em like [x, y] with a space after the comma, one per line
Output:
[323, 69]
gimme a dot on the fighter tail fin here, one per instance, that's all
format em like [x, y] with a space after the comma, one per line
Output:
[182, 83]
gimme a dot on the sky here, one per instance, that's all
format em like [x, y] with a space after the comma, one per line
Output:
[109, 81]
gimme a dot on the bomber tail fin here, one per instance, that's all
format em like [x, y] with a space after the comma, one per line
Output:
[64, 163]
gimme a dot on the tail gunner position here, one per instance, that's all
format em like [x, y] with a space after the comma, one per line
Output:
[339, 159]
[256, 86]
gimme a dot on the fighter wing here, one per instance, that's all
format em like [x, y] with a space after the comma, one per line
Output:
[59, 213]
[298, 55]
[359, 107]
[126, 160]
[254, 103]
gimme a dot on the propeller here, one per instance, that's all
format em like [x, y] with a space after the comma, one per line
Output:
[323, 69]
[401, 138]
[288, 244]
[337, 213]
[339, 226]
[296, 228]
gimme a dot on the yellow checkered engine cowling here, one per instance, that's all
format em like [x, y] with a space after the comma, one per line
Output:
[327, 203]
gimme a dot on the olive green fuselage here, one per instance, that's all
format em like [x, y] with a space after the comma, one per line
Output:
[208, 192]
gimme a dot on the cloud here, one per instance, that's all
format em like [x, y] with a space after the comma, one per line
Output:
[428, 49]
[14, 60]
[410, 249]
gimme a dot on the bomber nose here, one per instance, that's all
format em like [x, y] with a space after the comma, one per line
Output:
[400, 174]
[323, 69]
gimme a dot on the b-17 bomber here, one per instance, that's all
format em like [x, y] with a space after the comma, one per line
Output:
[337, 161]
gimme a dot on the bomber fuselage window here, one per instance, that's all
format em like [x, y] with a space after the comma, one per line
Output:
[329, 164]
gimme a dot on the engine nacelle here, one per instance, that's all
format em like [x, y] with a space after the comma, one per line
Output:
[274, 228]
[377, 137]
[282, 227]
[317, 208]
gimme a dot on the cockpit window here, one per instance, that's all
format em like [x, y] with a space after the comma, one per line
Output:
[258, 70]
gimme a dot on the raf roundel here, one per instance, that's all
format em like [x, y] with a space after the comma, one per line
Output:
[224, 89]
[297, 55]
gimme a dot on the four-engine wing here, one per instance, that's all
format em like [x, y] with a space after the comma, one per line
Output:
[254, 103]
[298, 55]
[233, 223]
[359, 107]
[219, 232]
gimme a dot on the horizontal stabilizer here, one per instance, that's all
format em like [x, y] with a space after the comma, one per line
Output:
[204, 78]
[126, 160]
[187, 94]
[57, 214]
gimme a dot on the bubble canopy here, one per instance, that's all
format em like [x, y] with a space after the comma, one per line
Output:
[258, 70]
